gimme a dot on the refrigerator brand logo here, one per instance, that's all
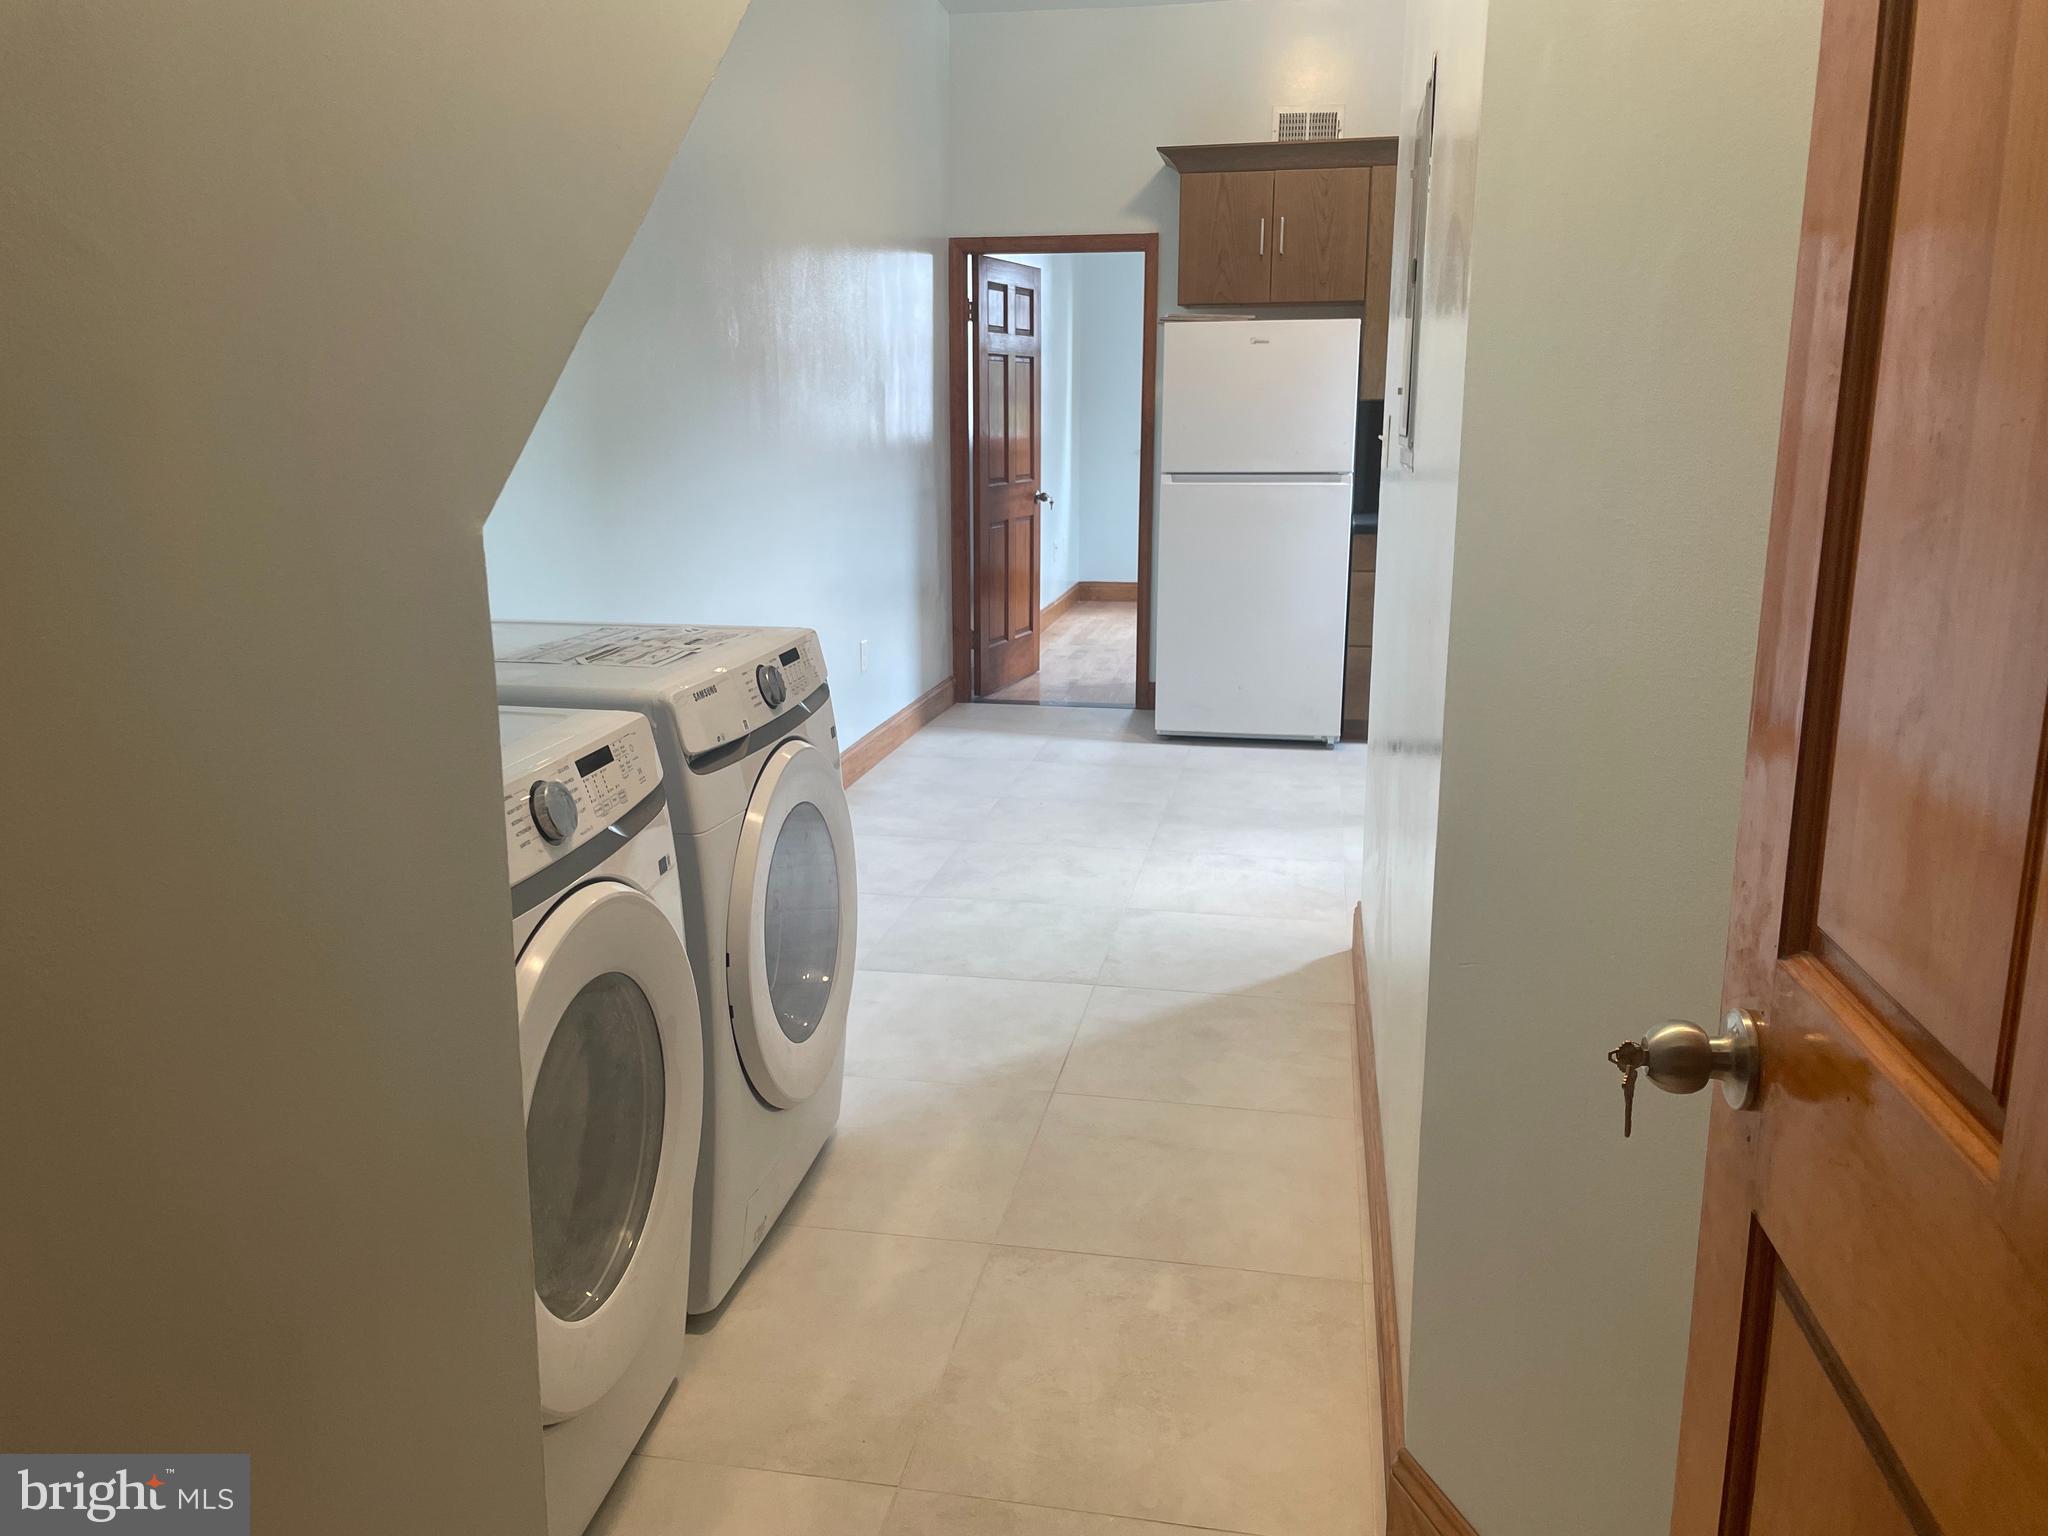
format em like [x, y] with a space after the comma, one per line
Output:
[199, 1495]
[1262, 341]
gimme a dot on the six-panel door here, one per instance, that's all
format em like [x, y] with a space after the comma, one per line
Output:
[1870, 1326]
[1006, 470]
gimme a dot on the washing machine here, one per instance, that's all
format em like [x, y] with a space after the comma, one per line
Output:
[611, 1050]
[742, 719]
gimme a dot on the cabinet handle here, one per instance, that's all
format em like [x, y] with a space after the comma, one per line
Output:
[1283, 234]
[1262, 234]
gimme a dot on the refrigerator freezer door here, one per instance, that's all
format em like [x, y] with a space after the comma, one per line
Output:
[1262, 397]
[1253, 581]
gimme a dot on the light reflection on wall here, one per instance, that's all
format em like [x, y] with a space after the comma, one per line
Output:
[746, 430]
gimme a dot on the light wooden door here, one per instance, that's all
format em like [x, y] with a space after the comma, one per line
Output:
[1870, 1330]
[1006, 466]
[1320, 236]
[1226, 245]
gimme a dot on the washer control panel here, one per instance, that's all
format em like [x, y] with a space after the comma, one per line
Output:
[783, 668]
[558, 804]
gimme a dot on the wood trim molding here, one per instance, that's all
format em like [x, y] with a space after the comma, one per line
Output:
[1271, 155]
[1051, 611]
[1415, 1505]
[861, 757]
[1087, 592]
[1106, 591]
[960, 353]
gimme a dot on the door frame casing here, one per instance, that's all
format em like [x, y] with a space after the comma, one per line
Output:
[959, 355]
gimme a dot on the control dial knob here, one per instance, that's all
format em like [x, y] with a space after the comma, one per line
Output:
[773, 689]
[554, 810]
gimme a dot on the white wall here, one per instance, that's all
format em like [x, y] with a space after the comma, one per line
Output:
[1631, 259]
[286, 286]
[1056, 114]
[746, 431]
[1412, 605]
[1109, 365]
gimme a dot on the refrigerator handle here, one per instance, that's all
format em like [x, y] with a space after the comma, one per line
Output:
[1283, 234]
[1262, 234]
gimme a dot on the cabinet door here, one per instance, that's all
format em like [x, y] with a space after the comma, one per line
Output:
[1319, 235]
[1226, 237]
[1379, 285]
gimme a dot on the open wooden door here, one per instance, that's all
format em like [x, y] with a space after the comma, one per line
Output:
[1870, 1330]
[1006, 465]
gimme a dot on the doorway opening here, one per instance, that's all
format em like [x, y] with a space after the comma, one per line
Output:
[1052, 366]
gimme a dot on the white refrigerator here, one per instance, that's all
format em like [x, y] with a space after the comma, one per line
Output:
[1259, 418]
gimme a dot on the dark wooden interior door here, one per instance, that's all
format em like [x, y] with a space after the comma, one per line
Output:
[1870, 1328]
[1006, 465]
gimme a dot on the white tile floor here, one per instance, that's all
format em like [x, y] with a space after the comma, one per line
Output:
[1084, 1258]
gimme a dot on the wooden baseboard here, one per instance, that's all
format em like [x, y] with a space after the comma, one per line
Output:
[1086, 592]
[1059, 605]
[1106, 591]
[1416, 1506]
[894, 731]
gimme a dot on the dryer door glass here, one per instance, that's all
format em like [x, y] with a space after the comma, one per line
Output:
[800, 924]
[593, 1144]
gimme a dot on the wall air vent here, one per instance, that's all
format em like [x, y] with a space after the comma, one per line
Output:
[1298, 125]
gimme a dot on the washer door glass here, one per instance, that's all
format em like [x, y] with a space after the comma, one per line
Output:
[800, 922]
[593, 1144]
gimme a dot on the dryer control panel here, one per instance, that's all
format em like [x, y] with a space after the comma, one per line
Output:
[749, 688]
[565, 787]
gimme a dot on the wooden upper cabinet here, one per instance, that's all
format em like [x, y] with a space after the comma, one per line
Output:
[1226, 237]
[1320, 234]
[1379, 285]
[1299, 223]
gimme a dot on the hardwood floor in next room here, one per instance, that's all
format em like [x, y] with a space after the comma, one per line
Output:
[1085, 1257]
[1088, 655]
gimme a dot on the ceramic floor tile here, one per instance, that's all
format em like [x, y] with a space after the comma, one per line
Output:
[658, 1497]
[1088, 877]
[942, 738]
[1291, 832]
[1244, 885]
[913, 811]
[1130, 783]
[1025, 718]
[1192, 1048]
[1204, 1397]
[961, 1029]
[1192, 1183]
[1027, 941]
[1305, 757]
[873, 918]
[1152, 753]
[1067, 823]
[946, 1514]
[1200, 952]
[898, 866]
[920, 1159]
[1229, 791]
[902, 774]
[826, 1357]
